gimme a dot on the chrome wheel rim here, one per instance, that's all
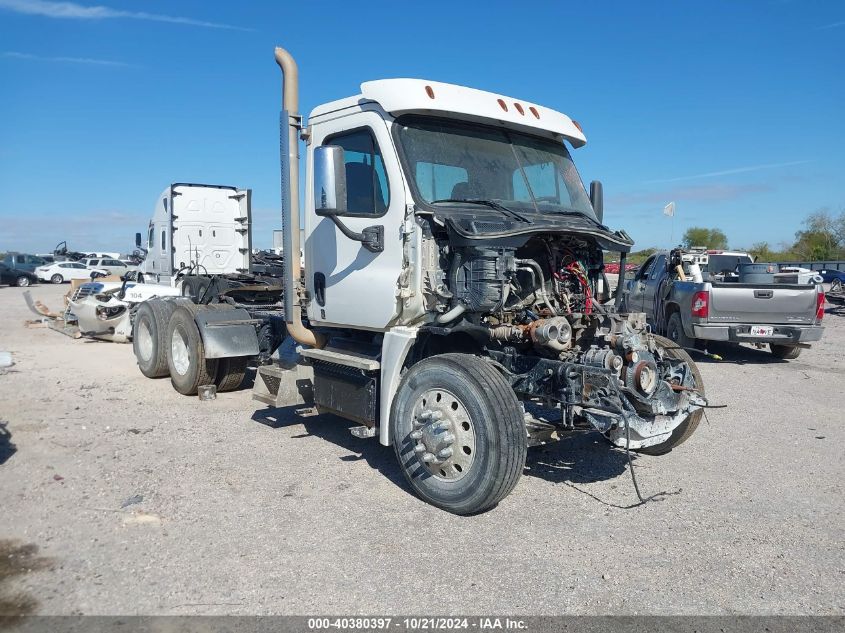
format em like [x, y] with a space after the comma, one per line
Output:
[145, 341]
[443, 435]
[23, 282]
[179, 353]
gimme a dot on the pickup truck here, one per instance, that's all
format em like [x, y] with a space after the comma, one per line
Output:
[722, 307]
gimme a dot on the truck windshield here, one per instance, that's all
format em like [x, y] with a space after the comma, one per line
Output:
[451, 161]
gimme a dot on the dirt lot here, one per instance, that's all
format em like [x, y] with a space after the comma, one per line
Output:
[244, 510]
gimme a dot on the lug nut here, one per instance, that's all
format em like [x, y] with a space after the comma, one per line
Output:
[415, 435]
[419, 448]
[448, 438]
[428, 458]
[445, 453]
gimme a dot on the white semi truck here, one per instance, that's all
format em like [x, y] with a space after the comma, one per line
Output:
[454, 305]
[197, 229]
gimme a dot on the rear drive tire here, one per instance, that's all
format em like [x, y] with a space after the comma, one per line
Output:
[686, 428]
[22, 281]
[57, 279]
[675, 332]
[149, 339]
[458, 432]
[188, 288]
[836, 285]
[231, 372]
[189, 368]
[786, 352]
[194, 288]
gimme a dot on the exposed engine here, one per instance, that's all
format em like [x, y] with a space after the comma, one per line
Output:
[540, 308]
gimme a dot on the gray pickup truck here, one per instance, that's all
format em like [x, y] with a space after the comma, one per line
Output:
[722, 306]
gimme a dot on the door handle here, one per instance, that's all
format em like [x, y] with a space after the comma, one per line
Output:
[371, 238]
[764, 294]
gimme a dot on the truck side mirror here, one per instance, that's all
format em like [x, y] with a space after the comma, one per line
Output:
[137, 240]
[597, 199]
[329, 181]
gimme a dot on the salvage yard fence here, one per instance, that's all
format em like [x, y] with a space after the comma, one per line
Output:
[822, 265]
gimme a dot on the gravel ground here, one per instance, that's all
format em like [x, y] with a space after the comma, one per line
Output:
[234, 508]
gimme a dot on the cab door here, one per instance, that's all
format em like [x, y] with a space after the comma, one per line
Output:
[655, 275]
[348, 284]
[637, 286]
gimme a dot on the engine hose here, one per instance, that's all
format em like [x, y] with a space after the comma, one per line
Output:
[532, 265]
[452, 314]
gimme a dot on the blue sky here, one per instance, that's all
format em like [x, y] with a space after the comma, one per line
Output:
[732, 110]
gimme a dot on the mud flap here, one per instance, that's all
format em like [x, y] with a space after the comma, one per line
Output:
[227, 333]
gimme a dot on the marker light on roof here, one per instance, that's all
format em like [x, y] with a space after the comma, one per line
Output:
[502, 104]
[578, 125]
[429, 91]
[518, 107]
[534, 112]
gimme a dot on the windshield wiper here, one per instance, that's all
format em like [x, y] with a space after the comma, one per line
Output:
[488, 203]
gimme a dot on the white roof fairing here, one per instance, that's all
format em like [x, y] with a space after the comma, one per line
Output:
[400, 96]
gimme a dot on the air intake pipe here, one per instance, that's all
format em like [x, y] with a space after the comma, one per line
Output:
[289, 125]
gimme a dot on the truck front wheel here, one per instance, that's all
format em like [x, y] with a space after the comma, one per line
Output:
[189, 368]
[458, 432]
[686, 428]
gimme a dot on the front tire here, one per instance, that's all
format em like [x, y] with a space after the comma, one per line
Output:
[22, 281]
[189, 368]
[459, 433]
[686, 428]
[785, 352]
[57, 279]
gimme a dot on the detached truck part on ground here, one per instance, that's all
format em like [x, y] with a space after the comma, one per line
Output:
[454, 304]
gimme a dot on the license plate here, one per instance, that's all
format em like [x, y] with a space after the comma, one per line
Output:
[762, 330]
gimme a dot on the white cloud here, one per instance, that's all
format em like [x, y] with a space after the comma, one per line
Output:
[74, 11]
[831, 26]
[63, 60]
[728, 172]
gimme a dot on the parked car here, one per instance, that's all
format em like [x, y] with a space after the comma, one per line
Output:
[23, 261]
[830, 276]
[60, 272]
[113, 266]
[16, 277]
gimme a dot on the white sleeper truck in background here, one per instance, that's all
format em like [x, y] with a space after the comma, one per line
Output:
[203, 227]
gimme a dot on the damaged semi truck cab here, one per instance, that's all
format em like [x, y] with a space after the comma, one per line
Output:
[454, 302]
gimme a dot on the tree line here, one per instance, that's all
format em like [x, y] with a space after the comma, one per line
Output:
[821, 238]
